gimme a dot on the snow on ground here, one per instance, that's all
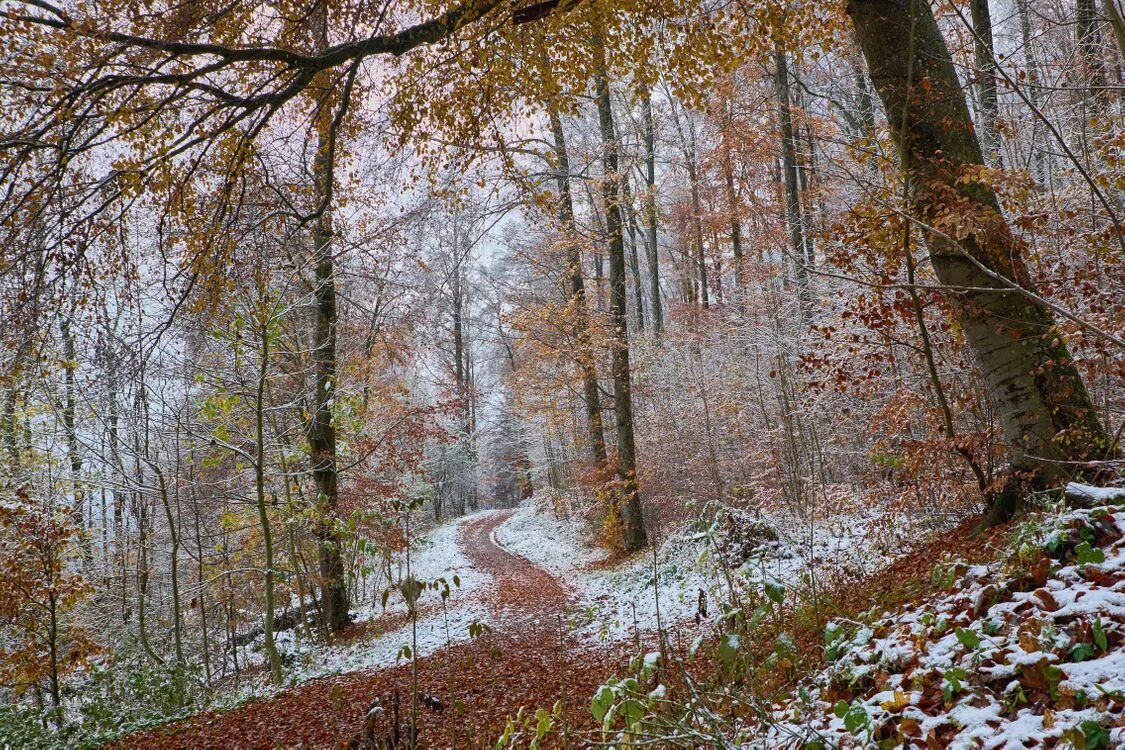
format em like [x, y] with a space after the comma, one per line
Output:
[434, 631]
[616, 602]
[436, 556]
[1094, 494]
[1013, 654]
[609, 598]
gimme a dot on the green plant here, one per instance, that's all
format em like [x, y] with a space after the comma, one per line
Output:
[855, 716]
[1087, 555]
[952, 683]
[1100, 639]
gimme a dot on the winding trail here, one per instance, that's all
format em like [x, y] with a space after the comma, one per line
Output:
[521, 589]
[528, 660]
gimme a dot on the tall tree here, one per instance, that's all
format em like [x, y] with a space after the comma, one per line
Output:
[633, 535]
[1049, 422]
[321, 427]
[793, 214]
[651, 247]
[985, 56]
[576, 289]
[1088, 39]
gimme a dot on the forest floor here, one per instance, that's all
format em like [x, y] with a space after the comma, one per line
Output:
[528, 659]
[957, 639]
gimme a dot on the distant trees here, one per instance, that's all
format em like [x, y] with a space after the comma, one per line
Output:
[652, 254]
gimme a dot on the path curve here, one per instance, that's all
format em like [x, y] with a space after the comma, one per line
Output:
[529, 660]
[520, 588]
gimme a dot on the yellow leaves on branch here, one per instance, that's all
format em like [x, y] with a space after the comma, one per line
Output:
[39, 588]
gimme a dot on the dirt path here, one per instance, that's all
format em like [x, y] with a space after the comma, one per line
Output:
[521, 588]
[528, 660]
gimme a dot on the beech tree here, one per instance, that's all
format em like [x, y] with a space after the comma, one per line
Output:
[1050, 424]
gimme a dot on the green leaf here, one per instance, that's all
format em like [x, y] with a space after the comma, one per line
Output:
[411, 590]
[728, 648]
[855, 716]
[1081, 652]
[785, 645]
[1087, 554]
[1099, 635]
[968, 638]
[544, 724]
[603, 699]
[1096, 736]
[775, 591]
[633, 711]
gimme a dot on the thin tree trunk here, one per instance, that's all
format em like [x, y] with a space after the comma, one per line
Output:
[697, 228]
[634, 261]
[655, 302]
[577, 296]
[1049, 422]
[53, 683]
[629, 499]
[986, 79]
[174, 534]
[733, 210]
[1038, 157]
[69, 409]
[792, 186]
[202, 596]
[260, 495]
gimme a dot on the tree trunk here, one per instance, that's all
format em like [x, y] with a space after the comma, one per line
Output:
[69, 409]
[1038, 157]
[322, 430]
[174, 571]
[260, 496]
[697, 227]
[629, 499]
[200, 581]
[577, 296]
[1048, 419]
[634, 261]
[1116, 23]
[655, 303]
[1088, 39]
[732, 208]
[986, 79]
[792, 186]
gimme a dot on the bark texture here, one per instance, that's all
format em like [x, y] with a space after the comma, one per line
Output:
[629, 498]
[986, 79]
[1049, 423]
[321, 429]
[577, 296]
[793, 215]
[651, 247]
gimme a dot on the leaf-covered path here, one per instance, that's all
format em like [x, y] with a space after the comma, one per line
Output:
[529, 660]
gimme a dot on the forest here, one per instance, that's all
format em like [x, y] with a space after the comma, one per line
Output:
[562, 373]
